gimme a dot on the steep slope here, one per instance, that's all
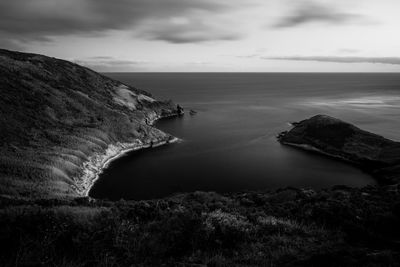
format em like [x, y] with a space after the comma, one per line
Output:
[57, 119]
[339, 139]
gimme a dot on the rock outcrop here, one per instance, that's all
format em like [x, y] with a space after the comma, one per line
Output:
[333, 137]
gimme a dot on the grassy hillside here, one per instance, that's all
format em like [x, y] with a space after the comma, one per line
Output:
[340, 226]
[55, 115]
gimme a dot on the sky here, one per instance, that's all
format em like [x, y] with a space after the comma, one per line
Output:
[208, 35]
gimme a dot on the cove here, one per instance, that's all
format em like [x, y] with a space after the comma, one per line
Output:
[230, 144]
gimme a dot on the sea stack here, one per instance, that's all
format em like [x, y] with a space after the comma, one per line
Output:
[179, 110]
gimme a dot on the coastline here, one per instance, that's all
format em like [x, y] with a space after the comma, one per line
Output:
[311, 148]
[98, 162]
[345, 142]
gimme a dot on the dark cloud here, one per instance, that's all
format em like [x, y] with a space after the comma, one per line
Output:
[189, 37]
[10, 43]
[379, 60]
[312, 12]
[41, 19]
[188, 30]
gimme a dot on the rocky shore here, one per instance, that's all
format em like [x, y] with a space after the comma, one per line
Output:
[335, 138]
[95, 165]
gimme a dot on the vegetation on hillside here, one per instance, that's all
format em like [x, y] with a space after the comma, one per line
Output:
[331, 136]
[55, 114]
[290, 227]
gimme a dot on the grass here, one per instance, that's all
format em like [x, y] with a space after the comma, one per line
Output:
[373, 153]
[55, 114]
[335, 227]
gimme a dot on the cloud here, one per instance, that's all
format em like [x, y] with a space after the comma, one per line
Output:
[312, 12]
[348, 51]
[374, 60]
[187, 30]
[106, 64]
[10, 44]
[40, 20]
[249, 56]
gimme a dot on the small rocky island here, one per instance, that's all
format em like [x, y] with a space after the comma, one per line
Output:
[335, 138]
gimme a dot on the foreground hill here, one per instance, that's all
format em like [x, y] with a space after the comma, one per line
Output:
[340, 226]
[339, 139]
[59, 121]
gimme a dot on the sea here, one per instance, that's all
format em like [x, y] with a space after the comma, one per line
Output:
[229, 143]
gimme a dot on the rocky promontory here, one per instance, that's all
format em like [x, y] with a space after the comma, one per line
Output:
[333, 137]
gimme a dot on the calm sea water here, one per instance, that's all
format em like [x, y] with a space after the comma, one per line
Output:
[230, 145]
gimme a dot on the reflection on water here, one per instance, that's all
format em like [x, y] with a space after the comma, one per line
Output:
[229, 145]
[363, 102]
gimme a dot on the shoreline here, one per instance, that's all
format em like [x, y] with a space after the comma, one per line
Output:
[343, 159]
[353, 146]
[97, 163]
[310, 148]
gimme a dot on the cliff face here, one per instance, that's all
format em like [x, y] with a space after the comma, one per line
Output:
[339, 139]
[56, 115]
